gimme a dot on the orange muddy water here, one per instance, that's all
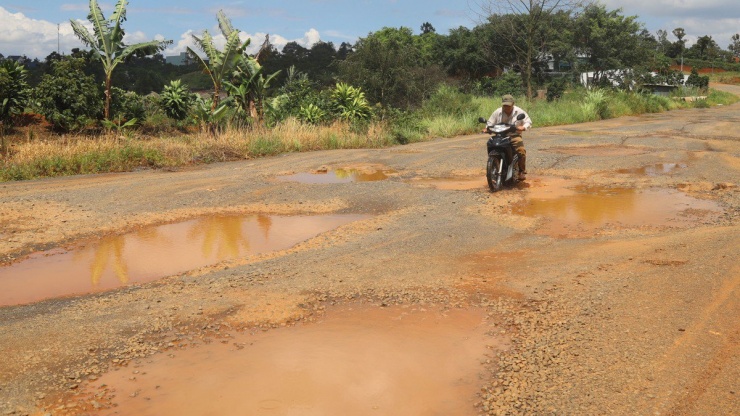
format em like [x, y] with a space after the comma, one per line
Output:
[577, 212]
[155, 252]
[338, 176]
[360, 360]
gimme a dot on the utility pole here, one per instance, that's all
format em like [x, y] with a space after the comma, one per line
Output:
[58, 53]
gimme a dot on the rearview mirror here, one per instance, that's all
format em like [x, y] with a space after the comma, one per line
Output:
[481, 120]
[521, 117]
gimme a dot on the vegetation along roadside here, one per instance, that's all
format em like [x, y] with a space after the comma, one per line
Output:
[71, 115]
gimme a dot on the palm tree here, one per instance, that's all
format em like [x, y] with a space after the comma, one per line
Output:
[220, 64]
[106, 42]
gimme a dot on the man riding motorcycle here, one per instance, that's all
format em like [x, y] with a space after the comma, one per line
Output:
[508, 113]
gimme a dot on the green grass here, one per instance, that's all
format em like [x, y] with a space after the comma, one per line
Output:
[122, 158]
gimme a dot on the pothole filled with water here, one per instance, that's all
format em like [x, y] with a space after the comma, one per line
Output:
[578, 211]
[357, 361]
[156, 252]
[342, 175]
[655, 170]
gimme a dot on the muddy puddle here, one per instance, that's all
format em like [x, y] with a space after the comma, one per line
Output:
[155, 252]
[344, 175]
[360, 360]
[577, 212]
[453, 184]
[655, 170]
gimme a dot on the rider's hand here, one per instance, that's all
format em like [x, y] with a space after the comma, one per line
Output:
[520, 128]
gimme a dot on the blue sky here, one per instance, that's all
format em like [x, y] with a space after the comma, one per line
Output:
[30, 27]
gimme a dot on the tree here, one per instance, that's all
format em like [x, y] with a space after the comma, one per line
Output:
[427, 27]
[388, 65]
[523, 28]
[344, 50]
[106, 42]
[219, 64]
[664, 44]
[68, 98]
[680, 45]
[735, 45]
[704, 48]
[610, 42]
[249, 87]
[461, 54]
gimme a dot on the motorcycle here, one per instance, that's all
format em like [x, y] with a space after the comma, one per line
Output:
[503, 162]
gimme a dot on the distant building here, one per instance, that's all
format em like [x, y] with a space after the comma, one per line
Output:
[179, 60]
[18, 58]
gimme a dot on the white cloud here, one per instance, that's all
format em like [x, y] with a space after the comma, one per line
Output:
[186, 40]
[21, 35]
[721, 30]
[697, 17]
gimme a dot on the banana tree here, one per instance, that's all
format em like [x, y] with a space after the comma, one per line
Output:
[249, 87]
[219, 64]
[106, 42]
[14, 92]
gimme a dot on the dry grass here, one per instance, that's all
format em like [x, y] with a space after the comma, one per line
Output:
[48, 155]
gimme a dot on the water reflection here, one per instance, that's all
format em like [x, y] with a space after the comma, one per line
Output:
[583, 211]
[109, 249]
[156, 252]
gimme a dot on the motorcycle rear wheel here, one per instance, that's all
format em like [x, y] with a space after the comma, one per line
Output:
[493, 174]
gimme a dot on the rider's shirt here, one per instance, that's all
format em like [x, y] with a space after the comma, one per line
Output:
[499, 116]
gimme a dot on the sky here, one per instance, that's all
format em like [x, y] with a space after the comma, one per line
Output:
[36, 28]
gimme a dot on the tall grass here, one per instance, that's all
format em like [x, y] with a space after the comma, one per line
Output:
[80, 155]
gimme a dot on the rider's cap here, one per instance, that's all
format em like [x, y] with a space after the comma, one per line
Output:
[508, 99]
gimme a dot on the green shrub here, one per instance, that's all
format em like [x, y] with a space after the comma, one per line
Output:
[556, 88]
[595, 106]
[176, 100]
[67, 98]
[694, 80]
[449, 100]
[126, 105]
[311, 114]
[507, 83]
[13, 91]
[349, 103]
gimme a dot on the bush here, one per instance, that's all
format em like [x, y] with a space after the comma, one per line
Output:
[69, 99]
[508, 83]
[595, 106]
[127, 105]
[449, 101]
[176, 100]
[13, 91]
[694, 80]
[349, 103]
[556, 88]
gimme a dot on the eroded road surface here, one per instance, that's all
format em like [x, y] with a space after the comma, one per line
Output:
[386, 281]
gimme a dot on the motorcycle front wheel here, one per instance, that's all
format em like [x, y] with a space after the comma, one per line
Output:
[493, 173]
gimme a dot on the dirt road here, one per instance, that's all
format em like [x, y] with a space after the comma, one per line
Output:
[611, 276]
